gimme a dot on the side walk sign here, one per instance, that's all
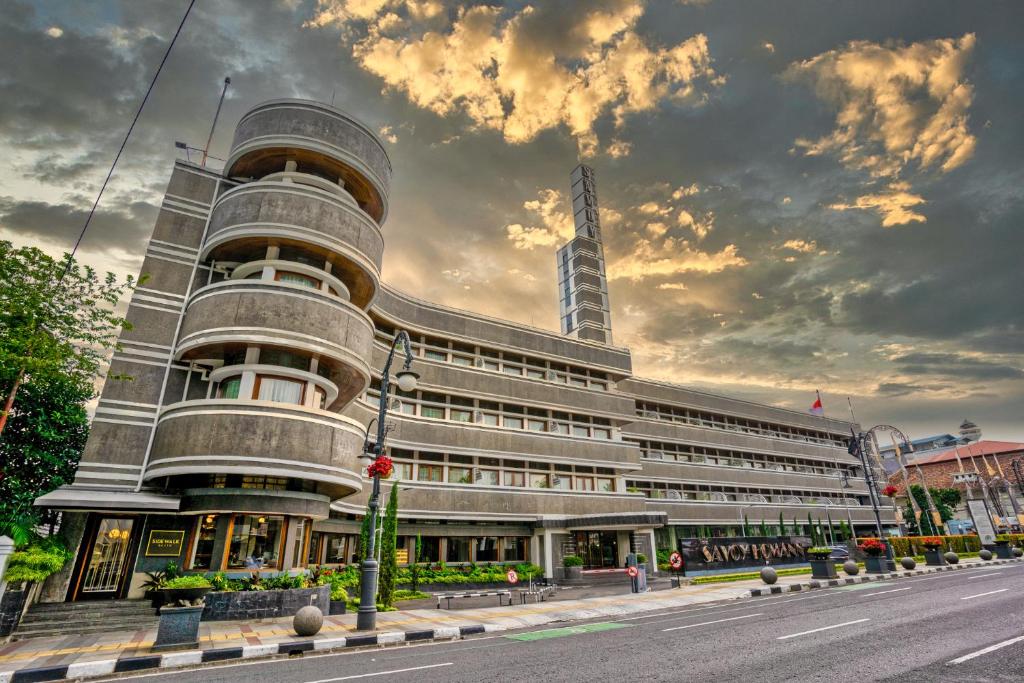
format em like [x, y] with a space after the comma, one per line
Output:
[742, 551]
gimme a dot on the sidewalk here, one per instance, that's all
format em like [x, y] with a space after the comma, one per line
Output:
[71, 657]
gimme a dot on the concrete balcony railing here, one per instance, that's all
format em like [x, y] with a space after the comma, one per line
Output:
[471, 438]
[231, 436]
[314, 135]
[745, 476]
[691, 512]
[444, 501]
[305, 213]
[252, 312]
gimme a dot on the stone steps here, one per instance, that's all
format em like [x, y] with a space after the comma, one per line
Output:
[83, 618]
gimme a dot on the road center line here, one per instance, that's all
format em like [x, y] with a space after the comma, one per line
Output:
[708, 623]
[894, 590]
[982, 576]
[382, 673]
[981, 595]
[985, 651]
[823, 628]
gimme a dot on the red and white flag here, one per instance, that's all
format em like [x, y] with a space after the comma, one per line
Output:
[816, 408]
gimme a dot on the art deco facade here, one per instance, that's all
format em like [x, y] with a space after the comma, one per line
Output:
[253, 358]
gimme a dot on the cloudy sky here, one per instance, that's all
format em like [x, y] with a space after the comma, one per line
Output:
[795, 195]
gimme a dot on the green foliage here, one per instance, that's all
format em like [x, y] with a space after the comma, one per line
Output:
[188, 581]
[364, 535]
[37, 561]
[641, 558]
[157, 579]
[764, 528]
[782, 526]
[845, 531]
[402, 594]
[945, 501]
[388, 561]
[414, 567]
[572, 561]
[53, 342]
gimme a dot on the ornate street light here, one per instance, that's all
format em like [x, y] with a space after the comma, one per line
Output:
[856, 446]
[366, 619]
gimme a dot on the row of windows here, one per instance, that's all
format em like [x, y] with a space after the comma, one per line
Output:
[513, 364]
[438, 406]
[676, 452]
[726, 494]
[484, 471]
[274, 388]
[700, 418]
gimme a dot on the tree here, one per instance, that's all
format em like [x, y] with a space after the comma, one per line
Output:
[945, 501]
[764, 528]
[782, 526]
[56, 318]
[41, 446]
[364, 535]
[388, 556]
[414, 567]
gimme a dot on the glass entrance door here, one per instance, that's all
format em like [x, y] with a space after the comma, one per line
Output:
[599, 549]
[108, 559]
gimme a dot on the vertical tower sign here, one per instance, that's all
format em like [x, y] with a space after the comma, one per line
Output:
[582, 282]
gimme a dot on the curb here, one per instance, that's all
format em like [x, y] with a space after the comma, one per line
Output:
[105, 667]
[846, 581]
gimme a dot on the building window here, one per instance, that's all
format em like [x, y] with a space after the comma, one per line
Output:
[313, 552]
[458, 475]
[584, 483]
[459, 415]
[602, 433]
[458, 549]
[429, 473]
[563, 482]
[430, 354]
[487, 549]
[229, 388]
[335, 549]
[490, 419]
[487, 477]
[279, 389]
[300, 540]
[432, 411]
[430, 549]
[513, 423]
[462, 360]
[539, 481]
[605, 485]
[403, 471]
[536, 425]
[515, 479]
[255, 542]
[514, 548]
[580, 431]
[203, 554]
[297, 279]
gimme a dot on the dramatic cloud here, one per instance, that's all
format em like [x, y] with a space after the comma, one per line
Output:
[895, 204]
[556, 226]
[672, 257]
[523, 71]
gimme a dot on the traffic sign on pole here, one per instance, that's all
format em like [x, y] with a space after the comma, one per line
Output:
[675, 560]
[512, 576]
[632, 571]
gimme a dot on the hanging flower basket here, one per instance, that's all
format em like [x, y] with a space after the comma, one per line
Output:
[890, 491]
[381, 467]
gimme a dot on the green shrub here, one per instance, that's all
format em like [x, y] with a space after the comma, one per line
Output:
[188, 581]
[37, 561]
[641, 558]
[572, 561]
[339, 593]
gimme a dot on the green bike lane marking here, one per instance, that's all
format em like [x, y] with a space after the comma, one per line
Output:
[567, 631]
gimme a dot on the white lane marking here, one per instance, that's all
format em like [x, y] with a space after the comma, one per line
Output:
[894, 590]
[982, 576]
[382, 673]
[823, 628]
[981, 595]
[708, 623]
[985, 651]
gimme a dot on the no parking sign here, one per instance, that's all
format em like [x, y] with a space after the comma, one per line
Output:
[512, 576]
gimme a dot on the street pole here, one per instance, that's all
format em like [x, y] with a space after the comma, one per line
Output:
[366, 618]
[869, 477]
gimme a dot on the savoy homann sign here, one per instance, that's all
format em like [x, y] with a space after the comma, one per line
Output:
[742, 551]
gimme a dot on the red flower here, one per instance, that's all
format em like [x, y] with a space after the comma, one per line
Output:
[890, 491]
[872, 546]
[381, 467]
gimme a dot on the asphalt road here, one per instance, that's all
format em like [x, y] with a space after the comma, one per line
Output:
[960, 626]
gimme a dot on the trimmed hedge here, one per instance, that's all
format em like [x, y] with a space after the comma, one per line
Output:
[960, 544]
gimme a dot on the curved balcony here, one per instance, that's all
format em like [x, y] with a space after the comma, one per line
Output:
[318, 137]
[292, 212]
[229, 436]
[260, 312]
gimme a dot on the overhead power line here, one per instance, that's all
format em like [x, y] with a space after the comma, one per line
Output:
[124, 142]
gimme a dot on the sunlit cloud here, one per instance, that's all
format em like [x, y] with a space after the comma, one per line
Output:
[803, 246]
[673, 257]
[499, 69]
[895, 205]
[556, 226]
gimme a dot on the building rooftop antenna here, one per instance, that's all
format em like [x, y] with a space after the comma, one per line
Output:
[206, 149]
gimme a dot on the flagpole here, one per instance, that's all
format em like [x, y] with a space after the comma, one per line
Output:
[835, 465]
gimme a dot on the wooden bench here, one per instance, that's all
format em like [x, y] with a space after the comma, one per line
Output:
[474, 594]
[538, 593]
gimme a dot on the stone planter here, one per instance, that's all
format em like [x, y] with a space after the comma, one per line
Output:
[178, 629]
[1004, 551]
[875, 564]
[573, 573]
[246, 605]
[174, 597]
[337, 607]
[823, 569]
[933, 557]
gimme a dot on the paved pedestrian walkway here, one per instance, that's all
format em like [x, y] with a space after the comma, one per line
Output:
[43, 659]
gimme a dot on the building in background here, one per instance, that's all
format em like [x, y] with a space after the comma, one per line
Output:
[582, 281]
[255, 354]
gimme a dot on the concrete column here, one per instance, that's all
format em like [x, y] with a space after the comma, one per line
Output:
[652, 561]
[535, 554]
[6, 549]
[290, 166]
[549, 566]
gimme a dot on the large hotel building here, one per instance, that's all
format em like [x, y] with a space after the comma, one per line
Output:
[254, 360]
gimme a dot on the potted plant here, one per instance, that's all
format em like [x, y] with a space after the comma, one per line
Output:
[821, 566]
[932, 550]
[1004, 547]
[155, 583]
[641, 560]
[186, 591]
[573, 566]
[874, 549]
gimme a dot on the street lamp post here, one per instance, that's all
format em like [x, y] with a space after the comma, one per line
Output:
[366, 619]
[857, 447]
